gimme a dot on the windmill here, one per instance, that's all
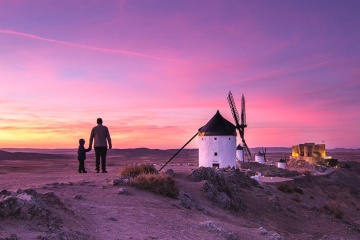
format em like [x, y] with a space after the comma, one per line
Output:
[264, 153]
[240, 127]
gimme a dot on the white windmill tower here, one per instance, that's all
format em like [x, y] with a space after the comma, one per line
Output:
[260, 157]
[239, 153]
[217, 143]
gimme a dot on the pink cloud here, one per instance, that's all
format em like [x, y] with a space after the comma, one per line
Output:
[88, 47]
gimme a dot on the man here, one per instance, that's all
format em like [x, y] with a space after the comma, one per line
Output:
[101, 136]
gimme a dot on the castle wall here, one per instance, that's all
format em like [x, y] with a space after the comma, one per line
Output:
[310, 152]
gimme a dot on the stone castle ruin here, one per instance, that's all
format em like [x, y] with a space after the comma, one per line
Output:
[310, 152]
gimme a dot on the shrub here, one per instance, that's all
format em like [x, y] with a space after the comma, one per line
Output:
[298, 190]
[331, 162]
[334, 209]
[162, 184]
[347, 165]
[133, 171]
[286, 188]
[289, 188]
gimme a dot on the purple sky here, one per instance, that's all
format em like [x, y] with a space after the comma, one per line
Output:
[156, 71]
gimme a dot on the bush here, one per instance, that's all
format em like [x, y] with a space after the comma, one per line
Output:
[334, 209]
[307, 173]
[298, 190]
[289, 188]
[286, 188]
[133, 171]
[162, 184]
[347, 165]
[331, 162]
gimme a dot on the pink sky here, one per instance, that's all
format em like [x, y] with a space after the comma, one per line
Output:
[156, 71]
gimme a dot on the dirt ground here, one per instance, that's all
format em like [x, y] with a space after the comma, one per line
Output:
[87, 206]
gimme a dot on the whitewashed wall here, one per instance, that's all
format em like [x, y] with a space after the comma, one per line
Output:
[240, 155]
[259, 158]
[224, 146]
[281, 165]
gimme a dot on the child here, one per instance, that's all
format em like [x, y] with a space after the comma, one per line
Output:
[82, 155]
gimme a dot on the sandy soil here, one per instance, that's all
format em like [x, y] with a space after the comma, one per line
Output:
[87, 206]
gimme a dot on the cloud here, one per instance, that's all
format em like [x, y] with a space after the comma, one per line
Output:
[88, 47]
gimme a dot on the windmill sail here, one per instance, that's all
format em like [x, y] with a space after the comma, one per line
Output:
[240, 127]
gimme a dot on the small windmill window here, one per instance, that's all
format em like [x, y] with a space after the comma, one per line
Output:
[215, 153]
[215, 138]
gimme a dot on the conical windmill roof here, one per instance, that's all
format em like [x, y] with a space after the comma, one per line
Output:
[239, 147]
[218, 126]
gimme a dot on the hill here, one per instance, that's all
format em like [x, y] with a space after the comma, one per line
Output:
[48, 199]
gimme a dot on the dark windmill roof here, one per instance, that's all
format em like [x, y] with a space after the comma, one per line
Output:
[260, 154]
[218, 126]
[239, 147]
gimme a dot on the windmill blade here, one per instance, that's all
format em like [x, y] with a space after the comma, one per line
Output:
[247, 150]
[264, 153]
[243, 112]
[233, 109]
[243, 125]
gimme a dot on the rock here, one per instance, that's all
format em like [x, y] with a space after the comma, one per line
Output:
[202, 173]
[186, 200]
[210, 225]
[275, 236]
[170, 172]
[274, 201]
[123, 191]
[11, 237]
[210, 189]
[220, 232]
[263, 231]
[31, 205]
[78, 197]
[223, 186]
[120, 181]
[223, 200]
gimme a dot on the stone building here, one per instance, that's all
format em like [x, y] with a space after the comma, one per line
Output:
[309, 152]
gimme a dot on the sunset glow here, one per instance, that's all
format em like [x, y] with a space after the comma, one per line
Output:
[156, 71]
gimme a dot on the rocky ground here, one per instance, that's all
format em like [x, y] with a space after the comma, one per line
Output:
[48, 199]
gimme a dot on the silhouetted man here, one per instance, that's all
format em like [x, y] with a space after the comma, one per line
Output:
[101, 136]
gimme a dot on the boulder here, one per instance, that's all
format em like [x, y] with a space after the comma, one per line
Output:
[120, 181]
[170, 172]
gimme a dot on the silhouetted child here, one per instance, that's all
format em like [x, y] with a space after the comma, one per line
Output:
[82, 155]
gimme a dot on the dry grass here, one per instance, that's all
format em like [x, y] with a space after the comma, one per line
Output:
[289, 188]
[161, 183]
[145, 176]
[133, 171]
[334, 209]
[286, 188]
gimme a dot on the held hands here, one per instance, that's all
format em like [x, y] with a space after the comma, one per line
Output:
[110, 146]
